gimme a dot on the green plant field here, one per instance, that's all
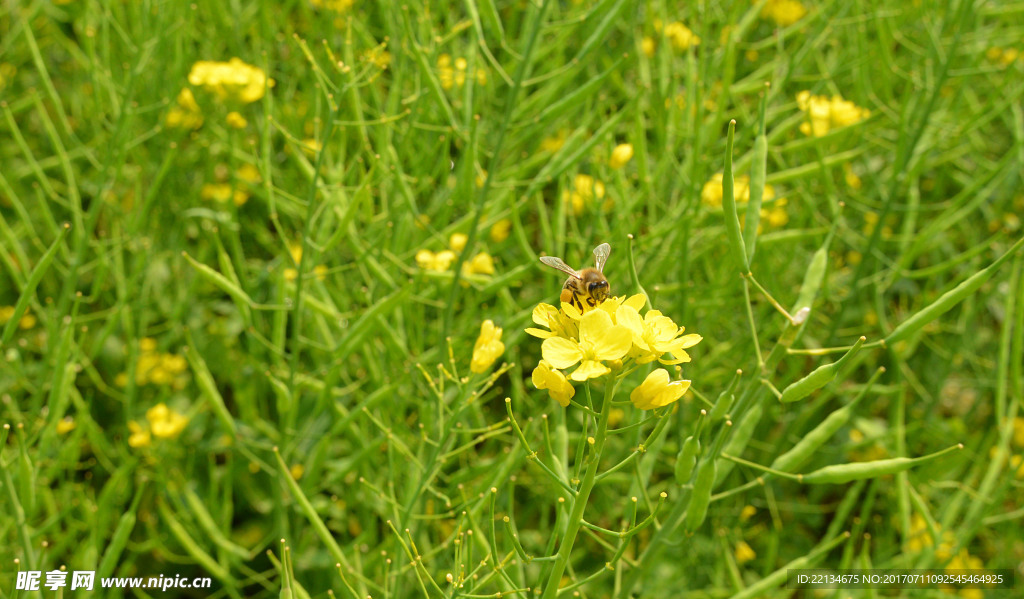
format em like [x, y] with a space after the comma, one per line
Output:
[268, 270]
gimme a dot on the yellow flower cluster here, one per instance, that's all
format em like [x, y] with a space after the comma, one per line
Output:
[612, 336]
[480, 264]
[1003, 57]
[27, 320]
[585, 190]
[680, 36]
[711, 193]
[783, 12]
[185, 114]
[159, 368]
[223, 191]
[488, 347]
[233, 80]
[825, 114]
[333, 5]
[164, 423]
[452, 73]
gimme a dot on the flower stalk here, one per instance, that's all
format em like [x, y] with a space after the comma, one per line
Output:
[579, 503]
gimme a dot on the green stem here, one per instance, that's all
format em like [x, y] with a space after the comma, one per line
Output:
[583, 495]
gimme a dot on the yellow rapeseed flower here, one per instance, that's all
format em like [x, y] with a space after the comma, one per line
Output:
[139, 437]
[680, 36]
[546, 377]
[711, 193]
[648, 46]
[65, 425]
[236, 120]
[222, 192]
[440, 262]
[621, 155]
[657, 391]
[600, 340]
[480, 264]
[457, 241]
[744, 553]
[825, 114]
[584, 191]
[655, 335]
[164, 422]
[488, 347]
[233, 80]
[559, 324]
[186, 114]
[783, 12]
[501, 230]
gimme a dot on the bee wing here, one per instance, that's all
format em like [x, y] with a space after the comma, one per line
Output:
[559, 264]
[601, 254]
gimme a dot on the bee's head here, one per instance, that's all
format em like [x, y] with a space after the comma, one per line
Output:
[598, 290]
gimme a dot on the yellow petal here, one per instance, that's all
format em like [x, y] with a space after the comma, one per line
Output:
[560, 352]
[540, 333]
[589, 369]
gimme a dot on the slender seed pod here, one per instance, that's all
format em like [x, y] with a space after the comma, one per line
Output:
[697, 510]
[741, 435]
[805, 448]
[687, 459]
[732, 220]
[844, 473]
[813, 278]
[949, 299]
[758, 168]
[819, 377]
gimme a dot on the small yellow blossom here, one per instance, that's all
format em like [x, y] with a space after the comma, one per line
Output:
[186, 114]
[457, 242]
[648, 46]
[481, 264]
[139, 437]
[747, 512]
[783, 12]
[65, 425]
[158, 368]
[222, 192]
[657, 391]
[680, 36]
[621, 155]
[919, 536]
[501, 230]
[557, 321]
[488, 347]
[585, 190]
[333, 5]
[825, 114]
[236, 120]
[555, 142]
[655, 335]
[744, 553]
[546, 377]
[164, 422]
[440, 262]
[249, 174]
[711, 193]
[233, 80]
[452, 73]
[378, 56]
[600, 340]
[297, 471]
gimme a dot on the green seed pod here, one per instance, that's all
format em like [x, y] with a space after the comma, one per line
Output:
[701, 496]
[738, 441]
[844, 473]
[805, 448]
[758, 168]
[949, 299]
[812, 280]
[819, 377]
[687, 459]
[732, 220]
[721, 407]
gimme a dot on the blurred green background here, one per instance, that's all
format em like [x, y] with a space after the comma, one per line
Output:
[247, 249]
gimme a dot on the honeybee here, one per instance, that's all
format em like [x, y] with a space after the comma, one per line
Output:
[588, 285]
